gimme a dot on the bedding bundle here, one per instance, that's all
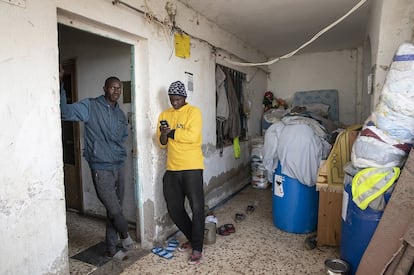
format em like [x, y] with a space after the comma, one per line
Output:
[388, 134]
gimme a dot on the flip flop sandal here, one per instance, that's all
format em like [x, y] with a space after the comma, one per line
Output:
[162, 253]
[230, 228]
[223, 231]
[172, 245]
[239, 217]
[250, 209]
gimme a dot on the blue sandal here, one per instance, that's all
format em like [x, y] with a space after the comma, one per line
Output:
[162, 253]
[172, 245]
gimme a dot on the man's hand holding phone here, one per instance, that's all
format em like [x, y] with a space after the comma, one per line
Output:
[164, 123]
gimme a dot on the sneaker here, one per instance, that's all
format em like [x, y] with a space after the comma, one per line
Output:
[119, 256]
[184, 247]
[195, 258]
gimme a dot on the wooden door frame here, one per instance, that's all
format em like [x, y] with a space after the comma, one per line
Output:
[69, 66]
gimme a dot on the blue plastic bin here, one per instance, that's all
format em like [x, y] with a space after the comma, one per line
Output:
[357, 229]
[294, 205]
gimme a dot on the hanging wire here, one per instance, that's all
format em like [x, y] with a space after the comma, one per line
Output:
[316, 36]
[153, 18]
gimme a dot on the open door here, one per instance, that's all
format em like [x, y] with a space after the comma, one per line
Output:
[71, 144]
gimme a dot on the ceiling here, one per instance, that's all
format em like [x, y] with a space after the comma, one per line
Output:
[278, 27]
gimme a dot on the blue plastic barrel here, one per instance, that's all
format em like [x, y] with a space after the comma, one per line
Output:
[294, 205]
[357, 229]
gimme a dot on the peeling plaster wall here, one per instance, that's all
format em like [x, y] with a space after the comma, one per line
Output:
[313, 71]
[33, 232]
[391, 24]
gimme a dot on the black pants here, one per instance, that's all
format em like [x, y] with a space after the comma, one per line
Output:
[177, 185]
[109, 186]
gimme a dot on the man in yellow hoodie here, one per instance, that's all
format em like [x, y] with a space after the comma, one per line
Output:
[180, 132]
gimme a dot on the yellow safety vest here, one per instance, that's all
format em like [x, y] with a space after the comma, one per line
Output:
[368, 184]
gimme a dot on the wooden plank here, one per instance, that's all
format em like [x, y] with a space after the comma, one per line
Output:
[329, 218]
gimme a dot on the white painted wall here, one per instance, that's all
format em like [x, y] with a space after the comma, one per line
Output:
[32, 206]
[313, 71]
[391, 24]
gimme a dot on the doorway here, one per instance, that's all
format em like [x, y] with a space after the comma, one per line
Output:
[88, 60]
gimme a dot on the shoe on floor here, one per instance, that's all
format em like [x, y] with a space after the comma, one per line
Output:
[250, 209]
[184, 246]
[195, 258]
[230, 228]
[119, 256]
[310, 242]
[239, 217]
[222, 230]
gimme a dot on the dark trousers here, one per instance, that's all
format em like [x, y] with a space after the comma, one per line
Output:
[177, 185]
[109, 187]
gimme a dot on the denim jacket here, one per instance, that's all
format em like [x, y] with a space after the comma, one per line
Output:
[105, 130]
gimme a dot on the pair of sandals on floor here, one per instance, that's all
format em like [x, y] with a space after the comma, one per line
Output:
[240, 216]
[226, 229]
[166, 252]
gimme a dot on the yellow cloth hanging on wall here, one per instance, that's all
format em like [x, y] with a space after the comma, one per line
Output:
[236, 146]
[182, 45]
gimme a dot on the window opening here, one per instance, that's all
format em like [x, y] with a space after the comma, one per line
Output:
[231, 121]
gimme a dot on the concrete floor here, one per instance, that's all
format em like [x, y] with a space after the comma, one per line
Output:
[257, 246]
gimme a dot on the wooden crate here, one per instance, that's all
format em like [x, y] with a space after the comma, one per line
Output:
[329, 218]
[330, 186]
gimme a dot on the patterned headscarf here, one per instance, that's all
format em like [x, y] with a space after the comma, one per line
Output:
[177, 88]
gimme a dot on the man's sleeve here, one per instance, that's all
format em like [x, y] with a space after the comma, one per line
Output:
[78, 111]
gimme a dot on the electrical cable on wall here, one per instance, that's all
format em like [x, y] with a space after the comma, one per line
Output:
[316, 36]
[171, 10]
[152, 18]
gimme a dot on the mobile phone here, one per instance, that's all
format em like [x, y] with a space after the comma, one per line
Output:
[164, 123]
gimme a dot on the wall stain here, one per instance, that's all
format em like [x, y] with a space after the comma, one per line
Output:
[61, 263]
[149, 215]
[384, 67]
[226, 184]
[208, 149]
